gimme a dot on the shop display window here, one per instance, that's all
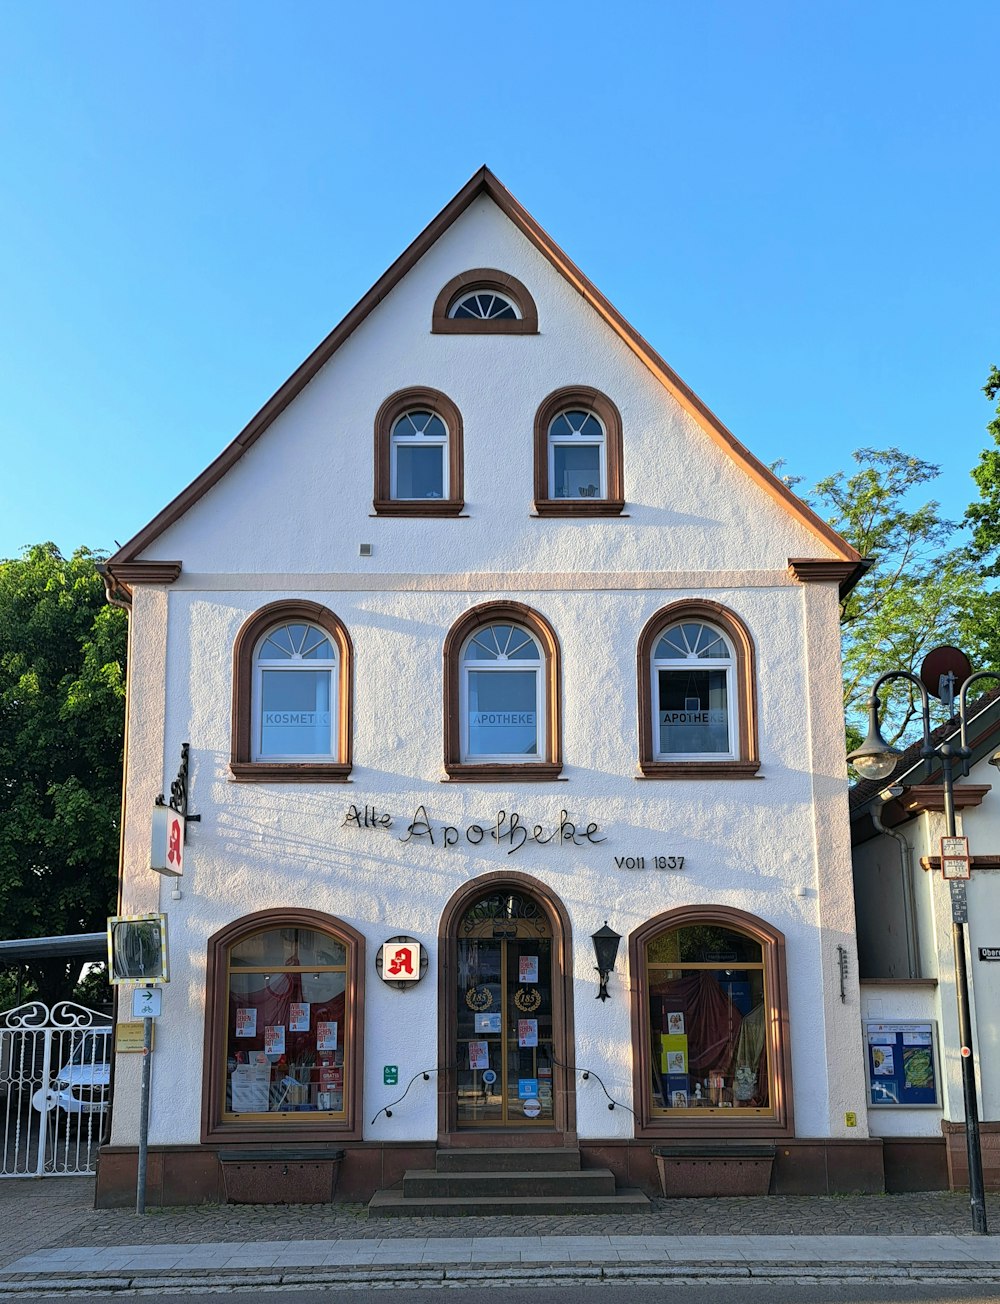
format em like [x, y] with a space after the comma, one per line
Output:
[288, 1051]
[707, 1003]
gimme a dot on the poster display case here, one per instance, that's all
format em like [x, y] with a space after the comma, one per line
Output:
[902, 1064]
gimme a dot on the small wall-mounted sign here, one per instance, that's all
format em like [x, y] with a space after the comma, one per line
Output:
[129, 1038]
[401, 962]
[959, 902]
[146, 1002]
[955, 861]
[390, 1075]
[989, 953]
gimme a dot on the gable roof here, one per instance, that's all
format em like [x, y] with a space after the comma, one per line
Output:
[484, 182]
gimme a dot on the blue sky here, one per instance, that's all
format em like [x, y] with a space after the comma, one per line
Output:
[796, 203]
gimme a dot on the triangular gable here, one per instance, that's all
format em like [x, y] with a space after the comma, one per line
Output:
[485, 183]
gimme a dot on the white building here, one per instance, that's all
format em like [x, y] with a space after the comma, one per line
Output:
[483, 632]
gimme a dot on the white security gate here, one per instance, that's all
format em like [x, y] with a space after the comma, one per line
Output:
[55, 1080]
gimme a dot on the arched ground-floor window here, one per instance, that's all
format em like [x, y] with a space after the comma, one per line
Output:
[283, 1029]
[710, 1025]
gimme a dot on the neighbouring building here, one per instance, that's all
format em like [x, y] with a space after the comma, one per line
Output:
[907, 958]
[486, 633]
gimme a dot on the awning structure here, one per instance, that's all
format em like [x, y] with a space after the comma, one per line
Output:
[88, 946]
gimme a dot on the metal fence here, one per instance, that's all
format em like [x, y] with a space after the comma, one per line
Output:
[55, 1079]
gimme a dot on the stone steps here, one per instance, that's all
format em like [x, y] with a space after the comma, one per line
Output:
[544, 1158]
[393, 1204]
[470, 1182]
[428, 1184]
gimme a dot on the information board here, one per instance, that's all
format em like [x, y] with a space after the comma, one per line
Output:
[901, 1061]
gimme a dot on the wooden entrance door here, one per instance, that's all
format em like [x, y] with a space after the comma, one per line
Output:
[504, 1046]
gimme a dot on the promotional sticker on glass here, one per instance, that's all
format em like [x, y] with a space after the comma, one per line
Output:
[274, 1039]
[488, 1022]
[527, 1032]
[246, 1022]
[298, 1016]
[479, 1055]
[527, 1087]
[326, 1036]
[527, 969]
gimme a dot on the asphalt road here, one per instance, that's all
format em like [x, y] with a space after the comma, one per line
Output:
[598, 1292]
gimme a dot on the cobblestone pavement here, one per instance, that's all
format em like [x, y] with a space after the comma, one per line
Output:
[44, 1214]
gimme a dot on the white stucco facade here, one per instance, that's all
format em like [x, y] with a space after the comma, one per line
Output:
[287, 521]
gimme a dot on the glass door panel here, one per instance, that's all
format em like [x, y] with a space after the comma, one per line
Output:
[504, 1051]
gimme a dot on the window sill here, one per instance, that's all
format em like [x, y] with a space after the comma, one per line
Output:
[418, 507]
[579, 507]
[699, 770]
[543, 772]
[291, 772]
[474, 326]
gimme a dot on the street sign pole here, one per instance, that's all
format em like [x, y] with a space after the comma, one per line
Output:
[146, 1000]
[959, 917]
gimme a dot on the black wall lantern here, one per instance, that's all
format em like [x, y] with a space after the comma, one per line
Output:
[606, 942]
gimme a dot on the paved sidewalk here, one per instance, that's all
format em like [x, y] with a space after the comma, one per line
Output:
[52, 1240]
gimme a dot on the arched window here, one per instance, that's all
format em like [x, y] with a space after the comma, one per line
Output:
[284, 1024]
[578, 455]
[484, 301]
[484, 305]
[502, 695]
[418, 455]
[292, 695]
[710, 1023]
[697, 698]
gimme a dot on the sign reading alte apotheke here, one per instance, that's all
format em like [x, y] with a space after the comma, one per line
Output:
[507, 827]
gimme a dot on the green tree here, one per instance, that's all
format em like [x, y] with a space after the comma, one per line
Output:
[62, 695]
[919, 591]
[983, 623]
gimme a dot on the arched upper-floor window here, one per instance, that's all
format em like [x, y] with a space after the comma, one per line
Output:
[418, 455]
[283, 1029]
[292, 691]
[710, 1024]
[484, 301]
[697, 694]
[578, 455]
[502, 689]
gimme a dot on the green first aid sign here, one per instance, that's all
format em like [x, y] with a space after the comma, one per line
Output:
[390, 1075]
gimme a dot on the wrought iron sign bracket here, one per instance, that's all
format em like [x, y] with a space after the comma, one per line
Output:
[179, 792]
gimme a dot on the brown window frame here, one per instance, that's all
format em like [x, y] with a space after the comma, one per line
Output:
[580, 396]
[727, 1123]
[282, 1130]
[484, 278]
[747, 761]
[540, 771]
[243, 768]
[395, 406]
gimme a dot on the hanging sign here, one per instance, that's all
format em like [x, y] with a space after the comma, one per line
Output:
[166, 852]
[955, 861]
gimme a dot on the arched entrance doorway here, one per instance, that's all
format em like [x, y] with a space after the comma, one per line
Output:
[506, 1013]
